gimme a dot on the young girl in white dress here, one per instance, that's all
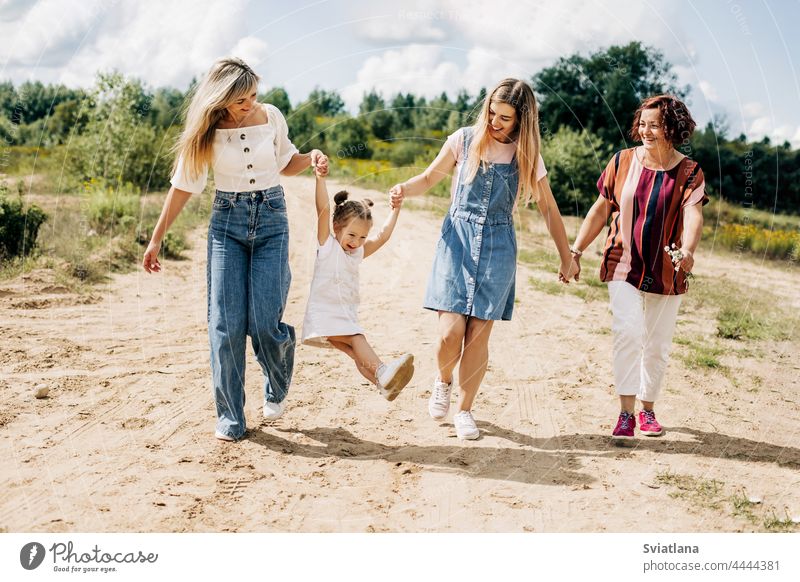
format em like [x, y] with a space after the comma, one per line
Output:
[331, 319]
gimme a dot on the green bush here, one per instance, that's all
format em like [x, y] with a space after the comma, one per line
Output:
[574, 160]
[19, 226]
[173, 245]
[404, 152]
[118, 145]
[348, 138]
[109, 210]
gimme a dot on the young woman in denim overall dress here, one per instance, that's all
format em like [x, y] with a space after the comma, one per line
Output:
[472, 281]
[248, 146]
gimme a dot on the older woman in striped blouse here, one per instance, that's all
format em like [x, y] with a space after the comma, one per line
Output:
[654, 196]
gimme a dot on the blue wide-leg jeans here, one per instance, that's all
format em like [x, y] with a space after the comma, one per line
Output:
[248, 284]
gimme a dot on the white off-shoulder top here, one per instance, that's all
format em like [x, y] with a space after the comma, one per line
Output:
[245, 158]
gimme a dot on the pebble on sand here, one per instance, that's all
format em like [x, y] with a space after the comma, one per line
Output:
[41, 391]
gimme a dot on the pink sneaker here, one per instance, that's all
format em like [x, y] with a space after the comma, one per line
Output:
[648, 425]
[625, 425]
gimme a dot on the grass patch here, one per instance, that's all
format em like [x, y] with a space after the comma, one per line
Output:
[742, 313]
[710, 494]
[538, 258]
[765, 517]
[703, 355]
[722, 212]
[589, 288]
[601, 330]
[757, 232]
[586, 290]
[549, 287]
[737, 322]
[774, 523]
[766, 242]
[703, 492]
[99, 232]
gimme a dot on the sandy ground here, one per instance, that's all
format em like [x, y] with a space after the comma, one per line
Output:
[124, 442]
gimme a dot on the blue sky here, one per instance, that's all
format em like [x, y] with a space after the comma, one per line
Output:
[740, 57]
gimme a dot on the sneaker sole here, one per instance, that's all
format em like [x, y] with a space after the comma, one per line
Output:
[651, 433]
[223, 437]
[442, 417]
[622, 437]
[400, 380]
[469, 437]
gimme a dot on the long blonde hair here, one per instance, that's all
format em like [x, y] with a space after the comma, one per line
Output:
[520, 96]
[228, 80]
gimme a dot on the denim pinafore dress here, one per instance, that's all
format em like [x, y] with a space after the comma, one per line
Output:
[475, 265]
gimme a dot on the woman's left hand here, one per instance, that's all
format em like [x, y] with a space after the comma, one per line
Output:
[568, 270]
[319, 162]
[687, 262]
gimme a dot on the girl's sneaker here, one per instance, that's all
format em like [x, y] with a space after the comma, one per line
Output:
[648, 425]
[439, 402]
[394, 376]
[465, 425]
[625, 425]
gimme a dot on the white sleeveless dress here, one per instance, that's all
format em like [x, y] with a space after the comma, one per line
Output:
[333, 303]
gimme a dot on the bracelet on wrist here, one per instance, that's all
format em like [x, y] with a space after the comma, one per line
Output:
[575, 252]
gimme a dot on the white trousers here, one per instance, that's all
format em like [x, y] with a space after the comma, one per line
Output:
[643, 324]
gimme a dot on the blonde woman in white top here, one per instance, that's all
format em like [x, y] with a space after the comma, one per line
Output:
[331, 319]
[247, 145]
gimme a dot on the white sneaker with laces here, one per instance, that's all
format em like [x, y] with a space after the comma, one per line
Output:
[465, 425]
[439, 402]
[274, 410]
[394, 376]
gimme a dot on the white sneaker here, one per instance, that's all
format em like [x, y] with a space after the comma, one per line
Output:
[394, 376]
[439, 402]
[465, 425]
[274, 410]
[223, 437]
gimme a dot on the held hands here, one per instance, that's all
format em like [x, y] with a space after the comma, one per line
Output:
[396, 196]
[150, 261]
[319, 163]
[570, 269]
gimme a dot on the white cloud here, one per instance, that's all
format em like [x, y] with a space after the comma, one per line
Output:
[512, 38]
[13, 9]
[250, 49]
[422, 70]
[549, 30]
[753, 109]
[415, 23]
[708, 91]
[759, 122]
[765, 126]
[49, 32]
[418, 69]
[164, 43]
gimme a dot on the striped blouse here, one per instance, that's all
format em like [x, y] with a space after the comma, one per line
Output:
[647, 215]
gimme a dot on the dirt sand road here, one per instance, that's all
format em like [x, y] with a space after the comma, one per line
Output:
[124, 442]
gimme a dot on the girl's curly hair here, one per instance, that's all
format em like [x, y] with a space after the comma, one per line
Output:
[346, 210]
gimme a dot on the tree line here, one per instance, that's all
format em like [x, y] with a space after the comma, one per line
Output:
[121, 131]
